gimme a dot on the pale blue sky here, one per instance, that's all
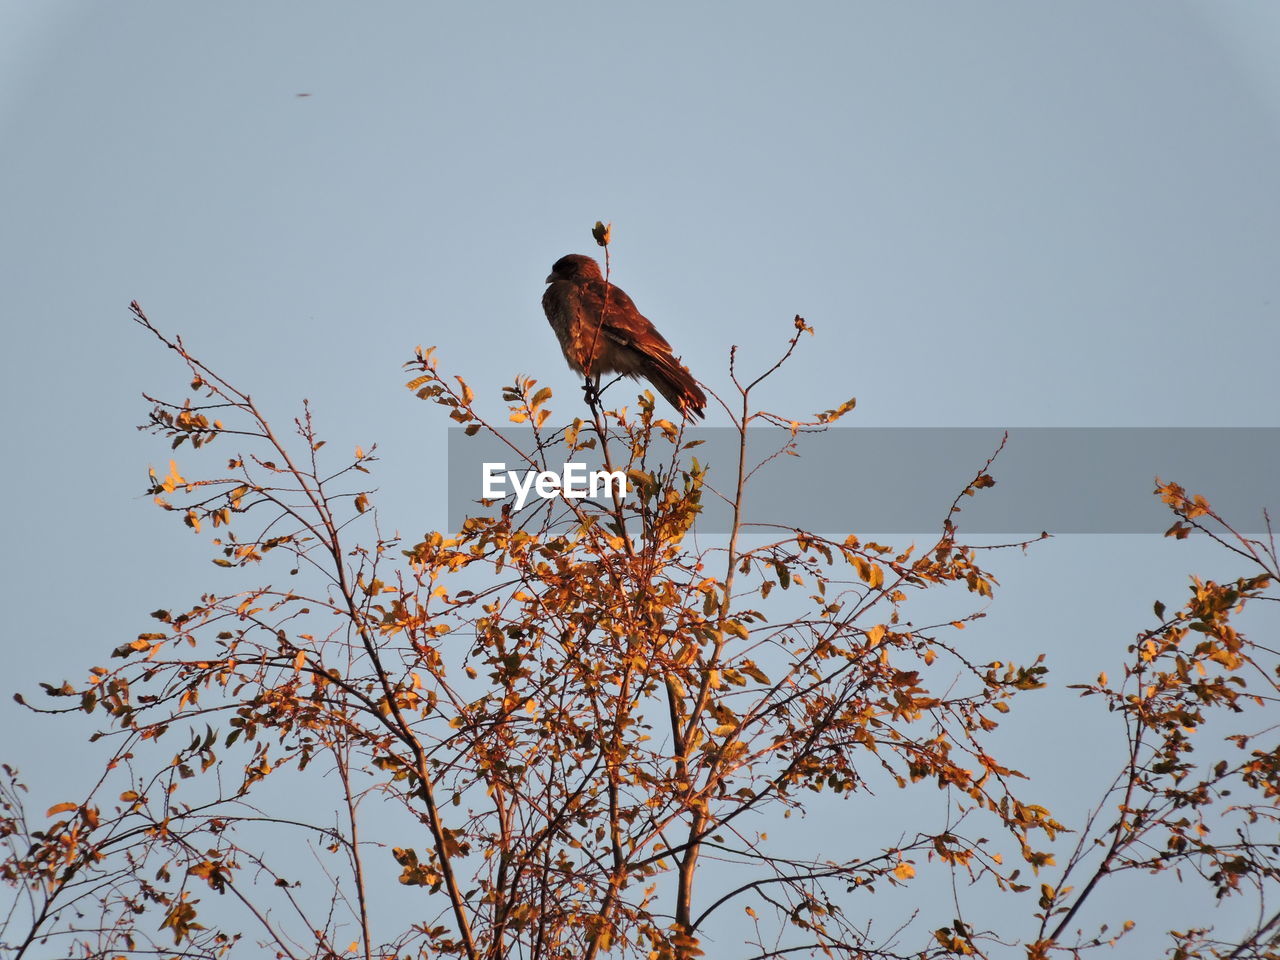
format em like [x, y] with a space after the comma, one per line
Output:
[995, 214]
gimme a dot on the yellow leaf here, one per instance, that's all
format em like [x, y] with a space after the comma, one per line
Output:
[61, 808]
[904, 871]
[467, 394]
[174, 477]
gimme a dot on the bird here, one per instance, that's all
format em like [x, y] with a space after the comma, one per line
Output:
[601, 331]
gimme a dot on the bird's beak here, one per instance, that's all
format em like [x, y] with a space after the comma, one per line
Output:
[550, 277]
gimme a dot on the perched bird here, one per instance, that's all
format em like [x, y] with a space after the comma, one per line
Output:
[601, 331]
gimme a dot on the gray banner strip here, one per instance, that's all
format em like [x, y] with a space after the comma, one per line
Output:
[903, 480]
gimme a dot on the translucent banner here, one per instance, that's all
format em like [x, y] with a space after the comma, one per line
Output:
[900, 480]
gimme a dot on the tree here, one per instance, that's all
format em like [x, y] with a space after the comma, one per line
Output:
[567, 711]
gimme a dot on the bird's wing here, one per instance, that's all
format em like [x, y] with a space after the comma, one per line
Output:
[627, 327]
[623, 323]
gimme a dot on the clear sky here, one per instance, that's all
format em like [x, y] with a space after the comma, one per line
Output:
[995, 214]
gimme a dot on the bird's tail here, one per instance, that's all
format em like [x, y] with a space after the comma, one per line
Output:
[676, 383]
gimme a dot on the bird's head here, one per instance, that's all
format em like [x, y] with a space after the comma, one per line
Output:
[574, 267]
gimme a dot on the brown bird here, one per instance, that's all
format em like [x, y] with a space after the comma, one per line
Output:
[601, 331]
